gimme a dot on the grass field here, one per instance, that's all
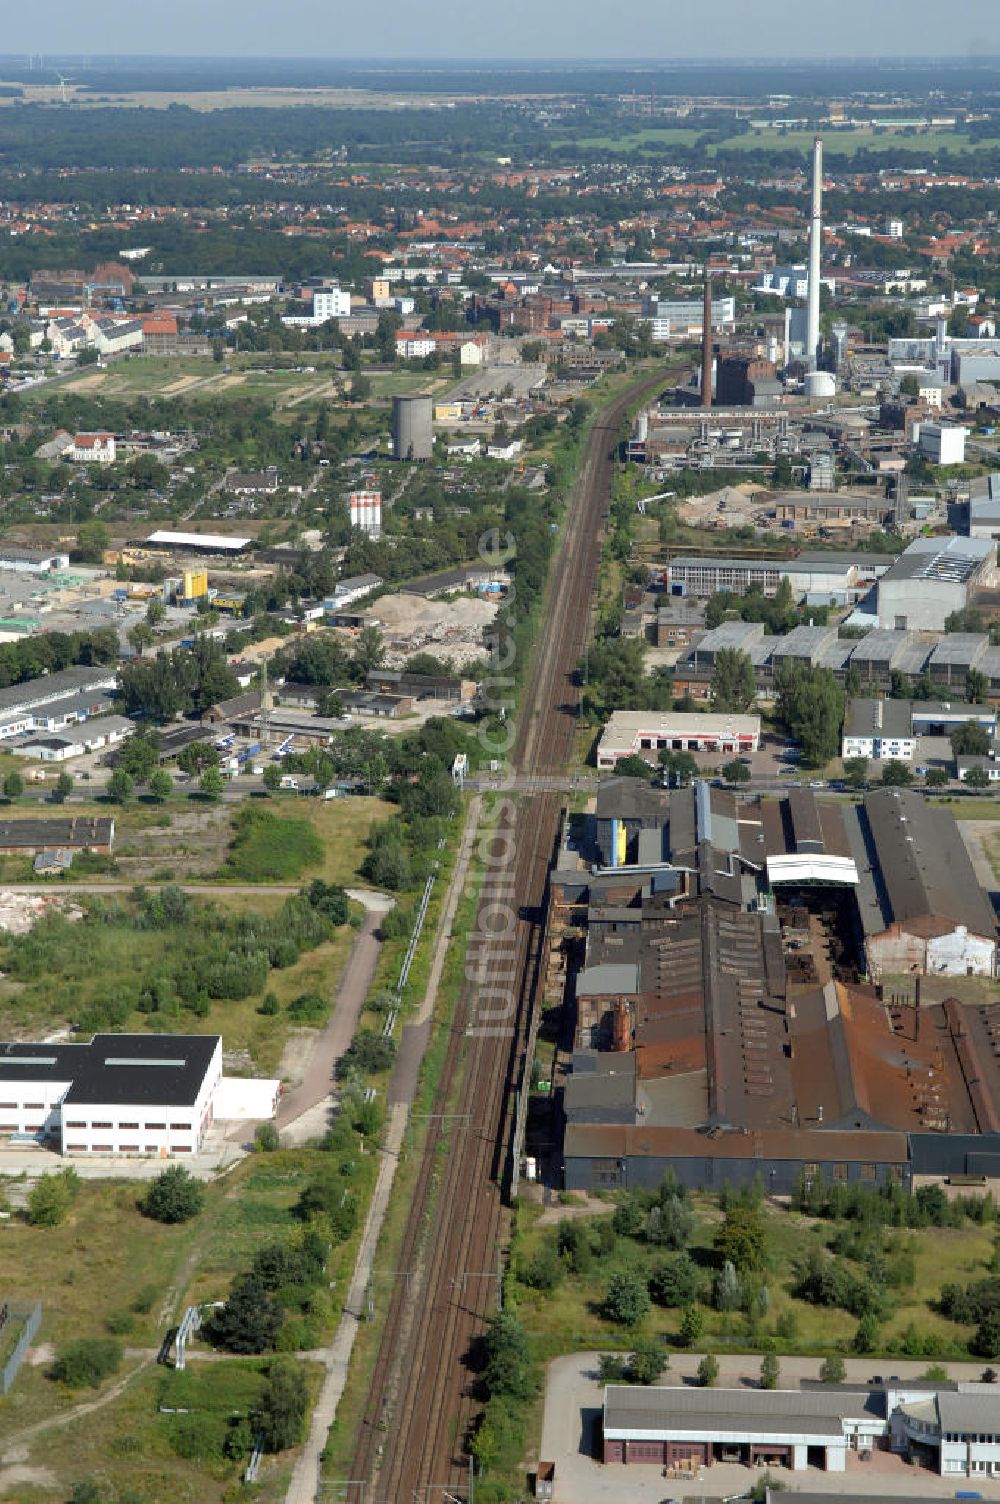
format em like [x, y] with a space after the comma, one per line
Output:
[343, 825]
[107, 1259]
[570, 1316]
[847, 142]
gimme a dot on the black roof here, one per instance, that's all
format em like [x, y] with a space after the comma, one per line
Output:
[162, 1070]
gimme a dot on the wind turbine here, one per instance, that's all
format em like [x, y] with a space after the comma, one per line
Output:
[63, 81]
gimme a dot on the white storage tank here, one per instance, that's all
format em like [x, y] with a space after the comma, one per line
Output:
[821, 384]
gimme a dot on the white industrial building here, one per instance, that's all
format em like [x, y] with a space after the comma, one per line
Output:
[942, 443]
[121, 1094]
[645, 733]
[931, 579]
[675, 318]
[70, 695]
[31, 560]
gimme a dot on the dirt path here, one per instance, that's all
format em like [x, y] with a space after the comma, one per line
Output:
[317, 1082]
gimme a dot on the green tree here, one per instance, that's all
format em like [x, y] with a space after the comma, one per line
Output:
[936, 778]
[976, 686]
[156, 612]
[633, 766]
[160, 784]
[856, 771]
[810, 702]
[770, 1371]
[970, 740]
[897, 775]
[741, 1240]
[985, 1341]
[64, 787]
[734, 686]
[140, 637]
[249, 1321]
[692, 1326]
[736, 771]
[866, 1336]
[280, 1412]
[272, 777]
[832, 1370]
[680, 767]
[708, 1371]
[626, 1298]
[92, 539]
[211, 783]
[675, 1281]
[977, 778]
[120, 787]
[508, 1370]
[647, 1362]
[174, 1196]
[138, 757]
[13, 785]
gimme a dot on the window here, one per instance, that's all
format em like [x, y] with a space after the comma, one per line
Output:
[867, 1172]
[134, 1126]
[156, 1127]
[104, 1149]
[840, 1172]
[130, 1148]
[182, 1149]
[102, 1125]
[75, 1124]
[180, 1127]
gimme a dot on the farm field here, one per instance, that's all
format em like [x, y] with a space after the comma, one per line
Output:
[847, 142]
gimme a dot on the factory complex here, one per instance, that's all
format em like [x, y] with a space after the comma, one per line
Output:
[745, 979]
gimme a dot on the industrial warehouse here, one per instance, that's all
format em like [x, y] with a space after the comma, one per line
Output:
[952, 1428]
[746, 978]
[123, 1094]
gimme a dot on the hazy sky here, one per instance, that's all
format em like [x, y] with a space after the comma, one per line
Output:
[555, 29]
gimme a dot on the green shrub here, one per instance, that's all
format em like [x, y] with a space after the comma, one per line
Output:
[51, 1198]
[309, 1008]
[174, 1196]
[88, 1360]
[266, 1138]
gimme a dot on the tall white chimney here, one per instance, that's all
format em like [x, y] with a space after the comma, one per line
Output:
[815, 256]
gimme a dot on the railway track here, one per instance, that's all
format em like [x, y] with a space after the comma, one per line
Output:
[411, 1444]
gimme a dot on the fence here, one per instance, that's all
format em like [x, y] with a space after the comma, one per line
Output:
[32, 1319]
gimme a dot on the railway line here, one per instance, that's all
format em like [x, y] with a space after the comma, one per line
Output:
[412, 1441]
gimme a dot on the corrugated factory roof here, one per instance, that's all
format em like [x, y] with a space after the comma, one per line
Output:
[924, 867]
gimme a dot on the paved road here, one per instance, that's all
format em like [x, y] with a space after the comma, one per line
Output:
[305, 1481]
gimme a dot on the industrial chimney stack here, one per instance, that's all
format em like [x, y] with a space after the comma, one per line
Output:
[706, 346]
[815, 256]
